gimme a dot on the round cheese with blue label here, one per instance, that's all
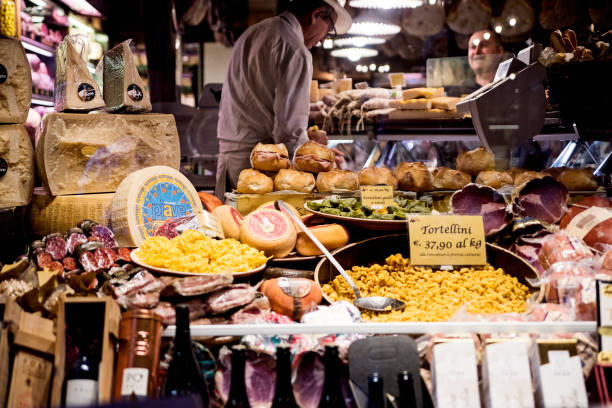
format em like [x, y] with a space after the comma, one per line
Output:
[149, 197]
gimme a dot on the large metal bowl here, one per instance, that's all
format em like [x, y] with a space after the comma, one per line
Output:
[375, 250]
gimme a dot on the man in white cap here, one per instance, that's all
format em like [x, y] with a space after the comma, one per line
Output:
[265, 95]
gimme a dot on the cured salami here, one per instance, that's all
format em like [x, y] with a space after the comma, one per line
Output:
[74, 240]
[56, 247]
[87, 226]
[69, 263]
[124, 254]
[56, 266]
[43, 260]
[88, 261]
[104, 235]
[105, 257]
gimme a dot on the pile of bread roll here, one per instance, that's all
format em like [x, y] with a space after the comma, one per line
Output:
[313, 169]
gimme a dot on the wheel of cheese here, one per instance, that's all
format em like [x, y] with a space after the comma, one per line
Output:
[270, 206]
[148, 197]
[270, 231]
[230, 220]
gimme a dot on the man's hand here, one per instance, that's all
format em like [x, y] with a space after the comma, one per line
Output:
[339, 157]
[316, 135]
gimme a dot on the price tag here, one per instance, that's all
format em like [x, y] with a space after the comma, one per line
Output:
[447, 240]
[377, 197]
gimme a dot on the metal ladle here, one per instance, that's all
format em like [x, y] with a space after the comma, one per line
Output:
[375, 303]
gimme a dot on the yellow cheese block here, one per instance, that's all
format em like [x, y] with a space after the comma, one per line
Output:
[81, 154]
[15, 82]
[429, 114]
[410, 104]
[422, 93]
[445, 102]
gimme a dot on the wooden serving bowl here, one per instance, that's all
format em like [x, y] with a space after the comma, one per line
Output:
[376, 250]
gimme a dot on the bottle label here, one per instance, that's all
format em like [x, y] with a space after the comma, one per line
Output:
[81, 393]
[135, 382]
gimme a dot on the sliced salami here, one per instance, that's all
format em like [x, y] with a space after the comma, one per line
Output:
[124, 254]
[56, 266]
[56, 246]
[88, 261]
[88, 247]
[104, 235]
[43, 260]
[87, 226]
[105, 257]
[69, 263]
[74, 240]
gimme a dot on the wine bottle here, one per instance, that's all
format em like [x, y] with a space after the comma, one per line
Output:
[376, 396]
[184, 376]
[81, 382]
[238, 395]
[283, 394]
[405, 384]
[331, 397]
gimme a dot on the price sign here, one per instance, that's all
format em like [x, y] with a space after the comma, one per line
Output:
[377, 196]
[447, 240]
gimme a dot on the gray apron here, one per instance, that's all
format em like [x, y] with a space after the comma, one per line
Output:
[233, 158]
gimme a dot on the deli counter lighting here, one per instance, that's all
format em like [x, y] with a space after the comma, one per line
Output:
[369, 28]
[354, 54]
[359, 41]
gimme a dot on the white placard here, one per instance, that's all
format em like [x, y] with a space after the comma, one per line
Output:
[561, 381]
[455, 376]
[135, 382]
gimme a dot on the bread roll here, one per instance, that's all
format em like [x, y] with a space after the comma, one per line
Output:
[289, 179]
[449, 179]
[270, 157]
[313, 158]
[413, 176]
[372, 176]
[251, 181]
[494, 179]
[337, 180]
[474, 161]
[332, 236]
[526, 175]
[578, 179]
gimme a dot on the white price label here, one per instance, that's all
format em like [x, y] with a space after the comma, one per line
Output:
[135, 382]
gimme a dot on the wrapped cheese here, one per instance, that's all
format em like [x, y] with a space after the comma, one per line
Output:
[124, 90]
[16, 166]
[75, 89]
[80, 154]
[15, 82]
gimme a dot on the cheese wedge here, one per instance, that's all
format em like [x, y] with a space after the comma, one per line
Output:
[75, 89]
[16, 166]
[81, 154]
[15, 82]
[410, 104]
[422, 93]
[124, 89]
[445, 102]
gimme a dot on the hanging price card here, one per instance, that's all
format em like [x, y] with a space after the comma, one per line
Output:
[447, 240]
[377, 196]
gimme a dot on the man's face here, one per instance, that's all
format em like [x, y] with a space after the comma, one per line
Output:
[321, 24]
[484, 53]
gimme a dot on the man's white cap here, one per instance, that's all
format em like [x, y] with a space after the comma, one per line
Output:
[344, 20]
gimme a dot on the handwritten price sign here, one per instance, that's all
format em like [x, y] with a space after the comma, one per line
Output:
[447, 240]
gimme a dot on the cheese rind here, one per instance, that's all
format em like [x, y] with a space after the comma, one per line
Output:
[124, 89]
[15, 82]
[81, 154]
[50, 214]
[75, 89]
[16, 166]
[147, 198]
[445, 102]
[428, 93]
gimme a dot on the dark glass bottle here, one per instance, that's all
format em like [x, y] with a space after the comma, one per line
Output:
[183, 376]
[81, 382]
[331, 397]
[376, 395]
[406, 390]
[238, 395]
[283, 393]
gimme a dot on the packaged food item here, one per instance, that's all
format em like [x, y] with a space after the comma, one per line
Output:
[292, 296]
[124, 90]
[572, 284]
[561, 247]
[9, 13]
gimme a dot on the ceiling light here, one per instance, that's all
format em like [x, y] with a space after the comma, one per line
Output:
[372, 67]
[387, 68]
[486, 36]
[387, 4]
[359, 41]
[512, 22]
[82, 7]
[498, 28]
[381, 69]
[372, 28]
[358, 68]
[354, 54]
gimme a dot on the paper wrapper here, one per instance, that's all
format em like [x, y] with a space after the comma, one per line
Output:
[75, 89]
[124, 90]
